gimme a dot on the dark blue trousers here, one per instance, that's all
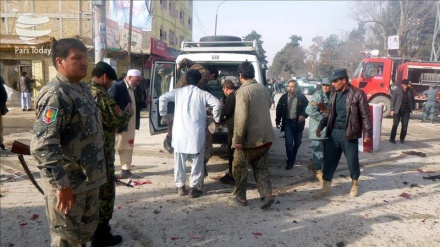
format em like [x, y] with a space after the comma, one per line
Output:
[400, 117]
[293, 140]
[333, 149]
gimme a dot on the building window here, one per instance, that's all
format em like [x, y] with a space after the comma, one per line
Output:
[171, 37]
[190, 23]
[170, 8]
[181, 16]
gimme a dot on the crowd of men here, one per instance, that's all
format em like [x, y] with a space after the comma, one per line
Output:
[78, 127]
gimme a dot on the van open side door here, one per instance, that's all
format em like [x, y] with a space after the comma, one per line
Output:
[163, 79]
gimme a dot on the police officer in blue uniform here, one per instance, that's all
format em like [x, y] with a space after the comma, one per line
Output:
[428, 109]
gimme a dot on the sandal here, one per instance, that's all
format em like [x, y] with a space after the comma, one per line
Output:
[236, 201]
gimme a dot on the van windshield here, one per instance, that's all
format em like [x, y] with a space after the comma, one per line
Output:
[358, 69]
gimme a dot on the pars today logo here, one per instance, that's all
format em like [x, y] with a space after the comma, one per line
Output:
[26, 30]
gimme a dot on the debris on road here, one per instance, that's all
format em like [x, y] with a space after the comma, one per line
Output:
[421, 154]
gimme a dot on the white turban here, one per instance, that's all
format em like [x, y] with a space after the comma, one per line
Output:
[133, 72]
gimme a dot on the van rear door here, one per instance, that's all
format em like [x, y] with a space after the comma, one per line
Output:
[163, 79]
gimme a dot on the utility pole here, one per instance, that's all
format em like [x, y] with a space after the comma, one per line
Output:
[129, 34]
[216, 13]
[435, 50]
[100, 26]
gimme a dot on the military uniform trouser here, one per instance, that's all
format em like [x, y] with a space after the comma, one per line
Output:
[333, 149]
[1, 129]
[318, 153]
[257, 158]
[428, 110]
[77, 226]
[107, 194]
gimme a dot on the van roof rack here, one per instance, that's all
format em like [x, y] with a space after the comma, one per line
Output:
[249, 47]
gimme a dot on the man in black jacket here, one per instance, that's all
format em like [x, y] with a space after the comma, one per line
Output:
[123, 92]
[402, 104]
[291, 114]
[228, 110]
[348, 116]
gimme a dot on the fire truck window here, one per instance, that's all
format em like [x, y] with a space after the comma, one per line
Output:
[374, 70]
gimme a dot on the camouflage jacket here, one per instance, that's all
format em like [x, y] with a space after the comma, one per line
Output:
[112, 119]
[68, 139]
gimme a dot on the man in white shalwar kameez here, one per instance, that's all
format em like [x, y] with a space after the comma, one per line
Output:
[189, 130]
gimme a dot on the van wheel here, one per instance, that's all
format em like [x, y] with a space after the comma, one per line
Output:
[385, 101]
[306, 91]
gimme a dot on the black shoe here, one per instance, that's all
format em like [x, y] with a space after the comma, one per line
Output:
[402, 141]
[227, 179]
[266, 202]
[103, 236]
[126, 174]
[2, 146]
[109, 240]
[289, 166]
[29, 109]
[23, 109]
[392, 141]
[194, 193]
[167, 145]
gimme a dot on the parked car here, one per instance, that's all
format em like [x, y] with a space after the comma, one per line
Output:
[305, 86]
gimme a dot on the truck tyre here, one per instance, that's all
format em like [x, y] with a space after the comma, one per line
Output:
[385, 101]
[219, 38]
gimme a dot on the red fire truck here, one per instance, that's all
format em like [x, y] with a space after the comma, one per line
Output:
[377, 76]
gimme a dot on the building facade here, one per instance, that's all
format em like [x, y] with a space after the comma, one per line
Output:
[28, 29]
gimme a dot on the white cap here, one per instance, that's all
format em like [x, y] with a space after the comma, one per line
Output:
[133, 72]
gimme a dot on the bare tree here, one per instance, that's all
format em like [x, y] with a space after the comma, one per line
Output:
[402, 18]
[312, 60]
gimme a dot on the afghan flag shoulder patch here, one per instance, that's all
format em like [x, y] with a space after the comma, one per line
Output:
[50, 114]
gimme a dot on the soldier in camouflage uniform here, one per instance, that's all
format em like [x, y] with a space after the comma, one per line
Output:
[68, 143]
[253, 137]
[113, 118]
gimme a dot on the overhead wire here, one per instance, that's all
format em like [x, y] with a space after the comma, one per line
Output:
[201, 26]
